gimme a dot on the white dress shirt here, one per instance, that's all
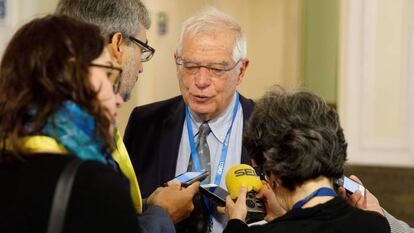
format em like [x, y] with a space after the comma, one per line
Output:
[219, 127]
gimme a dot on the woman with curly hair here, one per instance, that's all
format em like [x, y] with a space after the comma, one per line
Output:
[298, 142]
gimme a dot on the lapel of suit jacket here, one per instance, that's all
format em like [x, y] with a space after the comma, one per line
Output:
[170, 138]
[247, 105]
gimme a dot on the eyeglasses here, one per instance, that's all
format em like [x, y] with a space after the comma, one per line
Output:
[260, 172]
[264, 176]
[146, 51]
[216, 69]
[114, 75]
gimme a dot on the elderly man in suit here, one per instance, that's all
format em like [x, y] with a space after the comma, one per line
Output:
[202, 128]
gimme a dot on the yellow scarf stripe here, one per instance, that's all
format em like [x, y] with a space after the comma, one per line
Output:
[40, 144]
[121, 156]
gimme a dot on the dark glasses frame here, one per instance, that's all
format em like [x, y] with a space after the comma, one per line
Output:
[195, 68]
[146, 49]
[117, 83]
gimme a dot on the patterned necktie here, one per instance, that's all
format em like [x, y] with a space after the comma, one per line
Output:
[199, 220]
[203, 150]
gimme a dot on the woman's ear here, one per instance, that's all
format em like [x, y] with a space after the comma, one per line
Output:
[275, 182]
[254, 164]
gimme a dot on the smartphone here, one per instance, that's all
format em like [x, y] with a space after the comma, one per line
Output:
[187, 178]
[349, 185]
[215, 193]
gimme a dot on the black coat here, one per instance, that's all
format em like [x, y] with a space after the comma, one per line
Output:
[99, 202]
[333, 216]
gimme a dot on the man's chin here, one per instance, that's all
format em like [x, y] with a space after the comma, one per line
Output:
[200, 109]
[202, 112]
[126, 96]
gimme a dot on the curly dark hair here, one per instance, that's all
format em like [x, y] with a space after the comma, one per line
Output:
[297, 137]
[45, 64]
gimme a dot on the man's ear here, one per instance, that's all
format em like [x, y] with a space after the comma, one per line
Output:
[116, 47]
[242, 70]
[175, 58]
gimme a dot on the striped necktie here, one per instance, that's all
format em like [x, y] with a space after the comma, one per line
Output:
[203, 150]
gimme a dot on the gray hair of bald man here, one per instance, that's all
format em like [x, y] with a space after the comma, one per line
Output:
[214, 21]
[109, 15]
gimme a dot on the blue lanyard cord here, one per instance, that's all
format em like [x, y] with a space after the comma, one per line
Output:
[321, 192]
[194, 154]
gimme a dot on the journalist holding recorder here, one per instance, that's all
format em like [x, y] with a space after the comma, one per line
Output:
[298, 142]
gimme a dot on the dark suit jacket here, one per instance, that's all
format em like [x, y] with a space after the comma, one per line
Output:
[153, 136]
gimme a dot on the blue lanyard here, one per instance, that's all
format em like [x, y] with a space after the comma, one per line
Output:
[194, 154]
[321, 192]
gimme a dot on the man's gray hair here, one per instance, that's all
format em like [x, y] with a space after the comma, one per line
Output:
[109, 15]
[212, 20]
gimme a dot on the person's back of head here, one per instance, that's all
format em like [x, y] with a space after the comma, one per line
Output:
[46, 64]
[296, 136]
[213, 21]
[109, 15]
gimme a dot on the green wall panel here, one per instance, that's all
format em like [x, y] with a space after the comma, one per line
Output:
[320, 47]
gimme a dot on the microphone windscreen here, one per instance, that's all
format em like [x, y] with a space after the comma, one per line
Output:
[242, 175]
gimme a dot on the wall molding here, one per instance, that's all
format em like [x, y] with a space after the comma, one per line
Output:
[357, 79]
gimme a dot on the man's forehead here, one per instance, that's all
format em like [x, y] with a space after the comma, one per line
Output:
[207, 49]
[224, 37]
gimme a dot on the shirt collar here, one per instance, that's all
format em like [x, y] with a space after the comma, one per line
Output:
[218, 125]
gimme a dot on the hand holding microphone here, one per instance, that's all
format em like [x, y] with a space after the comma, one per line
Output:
[271, 202]
[237, 209]
[243, 175]
[238, 176]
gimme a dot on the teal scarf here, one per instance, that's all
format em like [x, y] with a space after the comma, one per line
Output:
[74, 128]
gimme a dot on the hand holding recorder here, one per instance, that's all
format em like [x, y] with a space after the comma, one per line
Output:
[241, 175]
[363, 200]
[176, 197]
[349, 185]
[188, 178]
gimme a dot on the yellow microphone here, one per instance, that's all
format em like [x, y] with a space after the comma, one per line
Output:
[242, 175]
[245, 175]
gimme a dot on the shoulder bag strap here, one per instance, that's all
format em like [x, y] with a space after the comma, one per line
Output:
[61, 196]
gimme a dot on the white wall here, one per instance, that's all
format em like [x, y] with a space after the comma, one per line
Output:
[377, 81]
[19, 12]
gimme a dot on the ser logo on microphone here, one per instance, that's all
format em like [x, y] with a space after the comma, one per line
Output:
[244, 172]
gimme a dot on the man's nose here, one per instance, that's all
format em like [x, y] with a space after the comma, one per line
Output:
[118, 100]
[202, 78]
